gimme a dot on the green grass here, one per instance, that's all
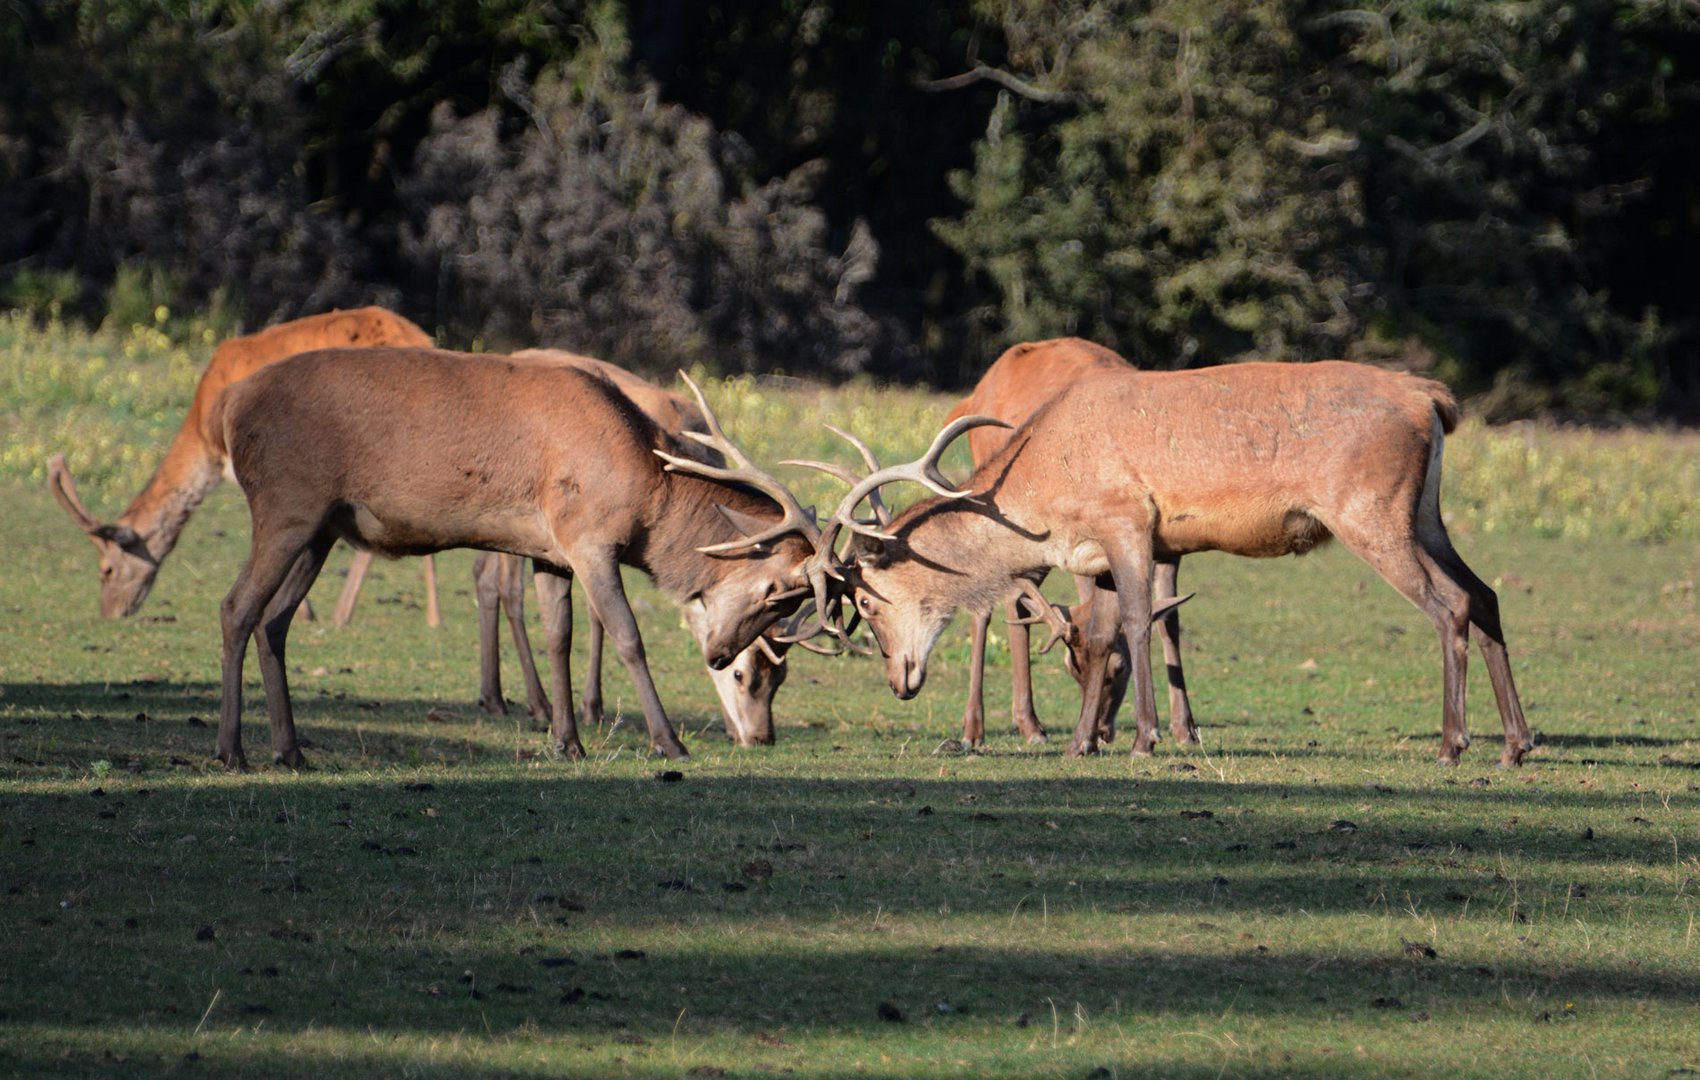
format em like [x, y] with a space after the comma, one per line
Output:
[441, 896]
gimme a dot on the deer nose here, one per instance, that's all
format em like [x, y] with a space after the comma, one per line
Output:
[909, 683]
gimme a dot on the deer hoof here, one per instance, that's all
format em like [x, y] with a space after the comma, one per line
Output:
[493, 706]
[1076, 749]
[233, 761]
[572, 751]
[291, 758]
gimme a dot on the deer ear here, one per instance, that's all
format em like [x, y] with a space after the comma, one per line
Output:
[746, 524]
[1163, 607]
[122, 535]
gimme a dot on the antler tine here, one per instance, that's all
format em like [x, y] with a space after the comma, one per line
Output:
[924, 471]
[795, 519]
[875, 503]
[881, 514]
[1052, 615]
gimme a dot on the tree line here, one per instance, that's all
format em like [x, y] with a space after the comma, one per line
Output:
[1504, 194]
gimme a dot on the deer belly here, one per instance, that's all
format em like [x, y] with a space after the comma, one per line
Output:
[1084, 558]
[1254, 529]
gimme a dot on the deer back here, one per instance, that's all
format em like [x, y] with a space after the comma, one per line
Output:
[1023, 378]
[1248, 458]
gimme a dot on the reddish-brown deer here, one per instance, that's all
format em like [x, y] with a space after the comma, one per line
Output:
[409, 451]
[133, 547]
[1124, 469]
[1017, 384]
[745, 687]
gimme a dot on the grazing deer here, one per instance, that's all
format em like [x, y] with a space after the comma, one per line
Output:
[132, 548]
[1013, 389]
[409, 451]
[1125, 469]
[745, 687]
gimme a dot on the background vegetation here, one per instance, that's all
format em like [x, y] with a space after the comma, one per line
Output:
[1505, 193]
[1304, 895]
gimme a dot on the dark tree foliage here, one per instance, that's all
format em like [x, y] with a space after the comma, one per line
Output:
[1505, 193]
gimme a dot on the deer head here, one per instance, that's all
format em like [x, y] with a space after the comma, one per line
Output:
[127, 567]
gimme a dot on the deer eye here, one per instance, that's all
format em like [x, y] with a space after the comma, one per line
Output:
[737, 676]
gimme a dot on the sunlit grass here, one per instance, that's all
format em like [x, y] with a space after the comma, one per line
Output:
[440, 895]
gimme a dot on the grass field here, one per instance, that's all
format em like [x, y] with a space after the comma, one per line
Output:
[1305, 895]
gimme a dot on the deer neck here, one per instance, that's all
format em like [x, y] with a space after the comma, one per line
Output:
[185, 475]
[687, 520]
[970, 551]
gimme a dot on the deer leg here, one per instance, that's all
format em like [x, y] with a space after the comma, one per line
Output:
[974, 716]
[1097, 646]
[510, 576]
[433, 614]
[555, 603]
[1021, 678]
[1087, 589]
[357, 568]
[1132, 571]
[270, 639]
[486, 589]
[1484, 616]
[1181, 723]
[592, 711]
[269, 562]
[1406, 567]
[608, 598]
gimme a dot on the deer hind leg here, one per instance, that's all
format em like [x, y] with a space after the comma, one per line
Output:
[433, 614]
[1181, 723]
[486, 589]
[1484, 616]
[510, 583]
[269, 562]
[357, 568]
[974, 714]
[270, 639]
[1021, 678]
[608, 599]
[1403, 564]
[555, 603]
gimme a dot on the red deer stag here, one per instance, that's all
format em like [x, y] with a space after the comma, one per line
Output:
[1013, 389]
[409, 451]
[1124, 469]
[132, 548]
[745, 687]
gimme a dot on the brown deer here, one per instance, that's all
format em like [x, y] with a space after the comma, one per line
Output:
[409, 451]
[1124, 469]
[132, 548]
[745, 687]
[1019, 381]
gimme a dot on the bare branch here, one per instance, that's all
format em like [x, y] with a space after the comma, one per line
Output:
[1000, 77]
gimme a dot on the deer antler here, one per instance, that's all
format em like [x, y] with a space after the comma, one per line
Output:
[795, 519]
[1052, 615]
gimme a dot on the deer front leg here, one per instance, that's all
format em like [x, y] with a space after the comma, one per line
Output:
[1021, 677]
[1096, 649]
[974, 715]
[593, 674]
[486, 589]
[608, 598]
[269, 561]
[270, 639]
[1181, 723]
[1131, 569]
[555, 603]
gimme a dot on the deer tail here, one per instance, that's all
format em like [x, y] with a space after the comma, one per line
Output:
[1445, 405]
